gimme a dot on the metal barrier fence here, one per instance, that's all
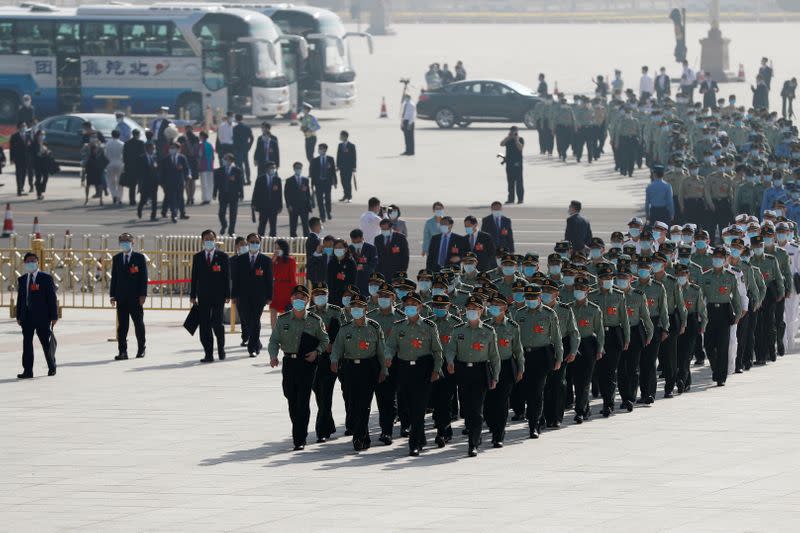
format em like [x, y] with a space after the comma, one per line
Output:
[81, 266]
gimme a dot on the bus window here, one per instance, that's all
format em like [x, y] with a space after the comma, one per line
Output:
[210, 35]
[214, 69]
[6, 37]
[144, 39]
[35, 38]
[68, 38]
[178, 45]
[100, 39]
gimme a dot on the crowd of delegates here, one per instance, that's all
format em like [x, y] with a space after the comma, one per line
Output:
[438, 76]
[29, 153]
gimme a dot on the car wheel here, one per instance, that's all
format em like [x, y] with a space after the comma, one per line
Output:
[464, 123]
[445, 118]
[9, 102]
[529, 118]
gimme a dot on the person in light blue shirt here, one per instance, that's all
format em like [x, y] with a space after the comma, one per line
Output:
[658, 202]
[123, 129]
[432, 226]
[774, 193]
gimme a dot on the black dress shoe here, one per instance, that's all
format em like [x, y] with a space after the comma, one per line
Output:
[681, 387]
[578, 419]
[556, 425]
[321, 440]
[404, 432]
[668, 394]
[472, 452]
[221, 355]
[386, 439]
[517, 418]
[140, 354]
[413, 452]
[641, 400]
[651, 400]
[439, 441]
[629, 405]
[357, 446]
[348, 433]
[253, 354]
[186, 217]
[139, 212]
[299, 447]
[720, 383]
[243, 344]
[121, 357]
[465, 431]
[534, 434]
[739, 371]
[207, 360]
[153, 219]
[51, 372]
[605, 411]
[24, 375]
[497, 444]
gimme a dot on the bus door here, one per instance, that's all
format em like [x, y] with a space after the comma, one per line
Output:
[68, 66]
[215, 80]
[239, 69]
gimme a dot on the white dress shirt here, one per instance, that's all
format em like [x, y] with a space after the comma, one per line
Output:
[688, 75]
[646, 84]
[370, 225]
[225, 133]
[114, 152]
[409, 111]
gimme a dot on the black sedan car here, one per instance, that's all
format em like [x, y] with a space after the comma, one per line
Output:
[63, 133]
[468, 101]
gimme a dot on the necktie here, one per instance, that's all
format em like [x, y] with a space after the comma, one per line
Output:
[322, 167]
[28, 294]
[472, 245]
[125, 259]
[252, 261]
[443, 251]
[208, 258]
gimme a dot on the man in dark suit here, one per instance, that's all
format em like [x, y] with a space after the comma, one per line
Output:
[133, 162]
[159, 127]
[346, 163]
[392, 250]
[174, 170]
[499, 228]
[148, 181]
[252, 289]
[579, 231]
[662, 84]
[37, 312]
[18, 152]
[366, 257]
[210, 290]
[267, 198]
[267, 149]
[297, 192]
[321, 257]
[323, 176]
[128, 292]
[242, 142]
[480, 243]
[229, 185]
[446, 248]
[709, 90]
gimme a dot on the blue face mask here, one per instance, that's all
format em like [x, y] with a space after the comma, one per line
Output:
[384, 303]
[634, 232]
[444, 228]
[621, 283]
[357, 313]
[519, 297]
[410, 311]
[254, 247]
[473, 315]
[339, 252]
[718, 262]
[644, 273]
[532, 304]
[579, 295]
[759, 251]
[125, 246]
[346, 300]
[494, 310]
[735, 252]
[509, 270]
[658, 267]
[595, 253]
[424, 286]
[529, 271]
[554, 270]
[468, 230]
[437, 291]
[701, 245]
[656, 235]
[298, 304]
[321, 300]
[400, 293]
[769, 241]
[684, 260]
[608, 284]
[647, 245]
[727, 239]
[31, 267]
[569, 280]
[373, 289]
[547, 298]
[209, 245]
[470, 268]
[386, 233]
[439, 313]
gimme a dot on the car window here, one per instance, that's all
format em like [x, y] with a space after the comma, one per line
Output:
[465, 88]
[491, 89]
[58, 124]
[75, 124]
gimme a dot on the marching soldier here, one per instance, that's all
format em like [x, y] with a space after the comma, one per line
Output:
[656, 298]
[360, 349]
[444, 388]
[675, 176]
[589, 319]
[414, 341]
[563, 127]
[555, 387]
[719, 197]
[747, 321]
[773, 278]
[325, 380]
[293, 333]
[696, 322]
[472, 356]
[626, 140]
[641, 331]
[784, 292]
[676, 310]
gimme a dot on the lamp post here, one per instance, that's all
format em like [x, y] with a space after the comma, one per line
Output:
[714, 48]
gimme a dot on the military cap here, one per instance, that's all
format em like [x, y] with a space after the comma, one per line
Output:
[412, 297]
[377, 276]
[617, 235]
[644, 260]
[319, 287]
[689, 228]
[439, 279]
[508, 258]
[661, 226]
[675, 228]
[581, 281]
[530, 258]
[739, 243]
[385, 289]
[470, 256]
[539, 277]
[554, 259]
[424, 274]
[474, 301]
[660, 256]
[408, 285]
[623, 270]
[440, 299]
[549, 285]
[701, 234]
[740, 218]
[629, 249]
[681, 269]
[483, 277]
[658, 168]
[667, 247]
[497, 298]
[562, 246]
[782, 226]
[646, 235]
[301, 290]
[482, 292]
[358, 300]
[613, 253]
[684, 251]
[352, 289]
[568, 267]
[532, 291]
[636, 221]
[719, 250]
[578, 256]
[399, 275]
[625, 260]
[596, 242]
[767, 229]
[605, 269]
[693, 164]
[518, 284]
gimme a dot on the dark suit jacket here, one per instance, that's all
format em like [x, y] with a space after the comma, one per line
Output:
[503, 237]
[312, 241]
[18, 150]
[366, 262]
[456, 247]
[229, 185]
[128, 282]
[211, 283]
[340, 274]
[297, 198]
[484, 249]
[252, 283]
[394, 258]
[171, 174]
[148, 177]
[346, 156]
[162, 144]
[133, 159]
[43, 305]
[242, 137]
[267, 199]
[322, 176]
[264, 154]
[578, 232]
[317, 268]
[666, 88]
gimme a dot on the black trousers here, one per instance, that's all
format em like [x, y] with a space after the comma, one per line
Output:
[668, 354]
[130, 310]
[414, 383]
[579, 140]
[722, 216]
[386, 398]
[149, 193]
[694, 210]
[659, 214]
[517, 399]
[472, 383]
[347, 183]
[742, 333]
[627, 152]
[361, 379]
[648, 380]
[582, 368]
[298, 375]
[686, 348]
[311, 144]
[323, 194]
[514, 179]
[780, 326]
[607, 366]
[717, 338]
[232, 206]
[628, 368]
[444, 390]
[554, 391]
[250, 313]
[41, 181]
[294, 216]
[268, 216]
[563, 139]
[42, 330]
[748, 355]
[538, 365]
[132, 193]
[408, 138]
[496, 406]
[324, 383]
[21, 170]
[211, 326]
[766, 331]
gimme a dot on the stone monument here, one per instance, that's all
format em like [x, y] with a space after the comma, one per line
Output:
[714, 48]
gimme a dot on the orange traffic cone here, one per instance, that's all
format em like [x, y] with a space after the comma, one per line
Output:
[383, 114]
[8, 222]
[36, 233]
[293, 117]
[741, 72]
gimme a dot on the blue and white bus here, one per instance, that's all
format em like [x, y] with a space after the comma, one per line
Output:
[94, 58]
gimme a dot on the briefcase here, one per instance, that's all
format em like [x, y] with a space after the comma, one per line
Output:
[51, 353]
[308, 343]
[192, 320]
[333, 329]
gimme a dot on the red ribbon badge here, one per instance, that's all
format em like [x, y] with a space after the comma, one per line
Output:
[723, 290]
[630, 311]
[395, 249]
[216, 268]
[477, 346]
[34, 287]
[611, 311]
[504, 231]
[688, 304]
[340, 276]
[503, 342]
[584, 323]
[538, 329]
[134, 269]
[259, 272]
[444, 338]
[416, 343]
[765, 275]
[363, 345]
[650, 302]
[478, 247]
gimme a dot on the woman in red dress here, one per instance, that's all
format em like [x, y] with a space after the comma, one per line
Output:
[284, 273]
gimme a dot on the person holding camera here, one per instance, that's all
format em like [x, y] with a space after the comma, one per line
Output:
[514, 144]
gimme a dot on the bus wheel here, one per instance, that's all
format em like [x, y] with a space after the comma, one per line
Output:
[445, 118]
[193, 105]
[9, 103]
[530, 119]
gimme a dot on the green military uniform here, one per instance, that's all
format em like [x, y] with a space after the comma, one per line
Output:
[641, 328]
[696, 321]
[783, 259]
[721, 292]
[324, 379]
[390, 405]
[618, 336]
[589, 321]
[719, 195]
[691, 198]
[445, 387]
[626, 143]
[564, 128]
[766, 330]
[656, 297]
[509, 347]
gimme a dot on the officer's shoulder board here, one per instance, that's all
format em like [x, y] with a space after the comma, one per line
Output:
[487, 326]
[617, 291]
[286, 313]
[694, 285]
[399, 321]
[593, 292]
[399, 312]
[455, 320]
[657, 283]
[513, 323]
[314, 315]
[592, 304]
[429, 322]
[461, 325]
[671, 277]
[335, 307]
[372, 311]
[373, 324]
[638, 291]
[564, 305]
[548, 310]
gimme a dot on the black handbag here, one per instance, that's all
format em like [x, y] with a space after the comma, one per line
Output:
[192, 321]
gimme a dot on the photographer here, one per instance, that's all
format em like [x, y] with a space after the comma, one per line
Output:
[513, 162]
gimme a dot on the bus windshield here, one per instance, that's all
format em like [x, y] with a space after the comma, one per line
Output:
[337, 59]
[267, 58]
